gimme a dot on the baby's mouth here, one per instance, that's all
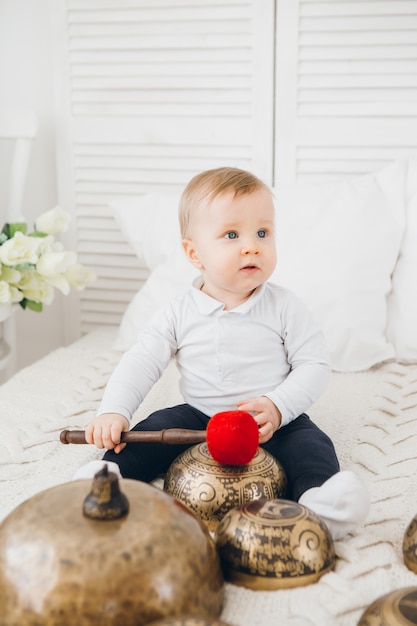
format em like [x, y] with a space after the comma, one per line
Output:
[249, 268]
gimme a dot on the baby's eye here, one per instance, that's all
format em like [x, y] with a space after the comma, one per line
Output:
[262, 234]
[231, 235]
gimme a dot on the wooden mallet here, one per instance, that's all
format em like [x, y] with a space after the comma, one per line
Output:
[232, 437]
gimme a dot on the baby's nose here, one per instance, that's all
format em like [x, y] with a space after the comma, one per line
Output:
[250, 247]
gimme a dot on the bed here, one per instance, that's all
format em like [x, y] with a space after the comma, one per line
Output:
[369, 408]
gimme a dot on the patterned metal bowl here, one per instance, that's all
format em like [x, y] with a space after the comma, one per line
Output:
[63, 561]
[210, 490]
[398, 608]
[275, 544]
[410, 546]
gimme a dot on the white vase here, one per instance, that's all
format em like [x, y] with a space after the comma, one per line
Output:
[5, 351]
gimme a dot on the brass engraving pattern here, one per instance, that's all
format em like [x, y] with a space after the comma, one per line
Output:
[274, 544]
[210, 489]
[398, 608]
[410, 546]
[58, 567]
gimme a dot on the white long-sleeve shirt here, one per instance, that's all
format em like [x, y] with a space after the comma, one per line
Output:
[269, 345]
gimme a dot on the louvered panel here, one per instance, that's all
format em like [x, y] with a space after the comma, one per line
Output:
[126, 5]
[104, 311]
[156, 151]
[375, 154]
[136, 61]
[359, 23]
[111, 274]
[156, 91]
[151, 9]
[104, 66]
[104, 285]
[150, 27]
[370, 67]
[347, 29]
[89, 163]
[102, 317]
[101, 173]
[346, 87]
[356, 7]
[155, 109]
[165, 29]
[359, 53]
[126, 265]
[318, 163]
[330, 162]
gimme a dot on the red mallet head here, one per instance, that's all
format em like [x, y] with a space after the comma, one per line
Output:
[232, 437]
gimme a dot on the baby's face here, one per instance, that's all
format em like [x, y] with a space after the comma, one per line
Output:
[232, 243]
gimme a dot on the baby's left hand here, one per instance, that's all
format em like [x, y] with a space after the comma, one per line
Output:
[265, 413]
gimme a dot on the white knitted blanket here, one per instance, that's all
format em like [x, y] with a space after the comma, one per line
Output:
[370, 416]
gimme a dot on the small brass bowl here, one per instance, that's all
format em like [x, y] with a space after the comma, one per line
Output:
[276, 544]
[210, 489]
[410, 546]
[398, 608]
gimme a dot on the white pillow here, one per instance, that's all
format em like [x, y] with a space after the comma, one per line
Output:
[172, 276]
[402, 303]
[337, 247]
[150, 224]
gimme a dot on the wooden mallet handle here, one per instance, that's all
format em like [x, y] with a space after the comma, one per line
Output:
[168, 435]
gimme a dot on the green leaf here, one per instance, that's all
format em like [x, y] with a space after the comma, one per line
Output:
[31, 304]
[10, 229]
[37, 233]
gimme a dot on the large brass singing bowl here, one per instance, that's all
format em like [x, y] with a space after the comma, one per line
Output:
[398, 608]
[150, 561]
[410, 546]
[276, 544]
[210, 489]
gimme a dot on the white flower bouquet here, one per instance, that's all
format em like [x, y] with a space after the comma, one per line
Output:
[32, 265]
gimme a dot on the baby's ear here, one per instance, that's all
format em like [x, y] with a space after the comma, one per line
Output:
[191, 253]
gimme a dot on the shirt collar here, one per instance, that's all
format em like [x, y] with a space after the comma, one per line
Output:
[208, 305]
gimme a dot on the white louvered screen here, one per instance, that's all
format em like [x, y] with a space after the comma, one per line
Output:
[157, 90]
[350, 97]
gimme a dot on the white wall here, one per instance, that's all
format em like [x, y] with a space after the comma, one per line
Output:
[26, 82]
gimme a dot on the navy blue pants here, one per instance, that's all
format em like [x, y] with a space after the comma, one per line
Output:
[306, 453]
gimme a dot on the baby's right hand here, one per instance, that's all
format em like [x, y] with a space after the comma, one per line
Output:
[104, 431]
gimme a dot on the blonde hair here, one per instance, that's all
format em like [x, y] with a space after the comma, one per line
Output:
[209, 185]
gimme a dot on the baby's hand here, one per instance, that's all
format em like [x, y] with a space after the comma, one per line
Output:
[265, 413]
[105, 431]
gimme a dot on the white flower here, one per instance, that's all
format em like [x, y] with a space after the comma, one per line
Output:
[53, 267]
[32, 265]
[47, 244]
[54, 221]
[79, 276]
[8, 293]
[19, 250]
[4, 292]
[34, 287]
[9, 274]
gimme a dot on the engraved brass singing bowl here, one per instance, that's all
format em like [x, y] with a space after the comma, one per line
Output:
[210, 489]
[276, 544]
[398, 608]
[410, 546]
[109, 558]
